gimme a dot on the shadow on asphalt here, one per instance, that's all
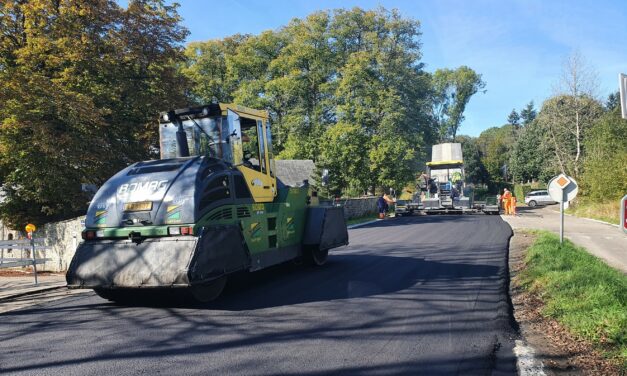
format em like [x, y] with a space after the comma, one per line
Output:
[344, 277]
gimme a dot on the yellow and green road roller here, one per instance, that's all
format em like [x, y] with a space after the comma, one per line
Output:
[211, 206]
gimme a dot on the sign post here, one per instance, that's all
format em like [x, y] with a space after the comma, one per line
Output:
[562, 189]
[622, 84]
[30, 228]
[623, 214]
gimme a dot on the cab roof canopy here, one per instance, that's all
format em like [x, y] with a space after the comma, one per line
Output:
[211, 110]
[443, 165]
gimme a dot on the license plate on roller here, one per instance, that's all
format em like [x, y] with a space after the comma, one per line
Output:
[138, 206]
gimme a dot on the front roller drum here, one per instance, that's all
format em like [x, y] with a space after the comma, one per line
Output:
[315, 256]
[208, 292]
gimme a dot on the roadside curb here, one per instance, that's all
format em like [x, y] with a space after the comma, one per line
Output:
[363, 224]
[527, 361]
[31, 292]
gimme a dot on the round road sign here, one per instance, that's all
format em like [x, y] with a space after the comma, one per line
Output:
[563, 188]
[31, 227]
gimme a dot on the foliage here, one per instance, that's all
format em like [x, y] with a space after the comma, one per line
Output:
[603, 210]
[452, 90]
[580, 291]
[495, 144]
[79, 83]
[346, 157]
[566, 120]
[521, 190]
[613, 101]
[528, 114]
[513, 118]
[605, 165]
[326, 78]
[530, 155]
[475, 170]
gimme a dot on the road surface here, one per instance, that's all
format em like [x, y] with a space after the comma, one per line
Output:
[418, 296]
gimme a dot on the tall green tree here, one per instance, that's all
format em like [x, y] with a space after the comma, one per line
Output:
[452, 90]
[475, 170]
[331, 74]
[604, 174]
[80, 85]
[513, 118]
[495, 145]
[530, 154]
[528, 114]
[566, 120]
[613, 101]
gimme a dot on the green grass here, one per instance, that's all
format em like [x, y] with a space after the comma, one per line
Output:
[362, 219]
[581, 292]
[608, 211]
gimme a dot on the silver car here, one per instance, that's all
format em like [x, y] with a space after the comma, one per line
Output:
[535, 198]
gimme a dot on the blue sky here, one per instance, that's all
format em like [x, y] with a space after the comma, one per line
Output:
[518, 46]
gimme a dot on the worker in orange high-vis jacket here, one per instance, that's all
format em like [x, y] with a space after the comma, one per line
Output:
[507, 201]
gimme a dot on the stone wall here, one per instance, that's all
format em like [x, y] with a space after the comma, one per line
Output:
[359, 207]
[6, 232]
[63, 237]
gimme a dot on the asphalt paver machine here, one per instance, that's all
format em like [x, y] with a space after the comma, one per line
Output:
[211, 206]
[444, 188]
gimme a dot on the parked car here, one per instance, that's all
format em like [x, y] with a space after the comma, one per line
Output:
[535, 198]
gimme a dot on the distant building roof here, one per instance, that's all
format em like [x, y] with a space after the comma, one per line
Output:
[292, 172]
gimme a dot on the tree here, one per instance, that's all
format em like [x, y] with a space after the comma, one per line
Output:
[528, 114]
[452, 90]
[572, 110]
[529, 155]
[495, 145]
[565, 120]
[346, 157]
[80, 82]
[332, 74]
[604, 176]
[613, 101]
[513, 118]
[475, 170]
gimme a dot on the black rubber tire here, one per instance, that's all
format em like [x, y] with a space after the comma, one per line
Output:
[316, 257]
[105, 294]
[532, 204]
[209, 292]
[120, 296]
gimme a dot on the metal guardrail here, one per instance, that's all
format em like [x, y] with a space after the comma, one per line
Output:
[32, 245]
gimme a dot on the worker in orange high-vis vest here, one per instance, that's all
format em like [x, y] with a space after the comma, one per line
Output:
[507, 201]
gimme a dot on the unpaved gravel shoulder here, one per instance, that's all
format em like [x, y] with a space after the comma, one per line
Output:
[560, 352]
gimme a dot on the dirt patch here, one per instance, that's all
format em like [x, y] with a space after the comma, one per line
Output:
[561, 352]
[26, 272]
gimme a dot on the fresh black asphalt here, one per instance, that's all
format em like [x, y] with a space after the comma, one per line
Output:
[413, 296]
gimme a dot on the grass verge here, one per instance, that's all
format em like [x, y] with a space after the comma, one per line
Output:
[581, 292]
[362, 219]
[608, 211]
